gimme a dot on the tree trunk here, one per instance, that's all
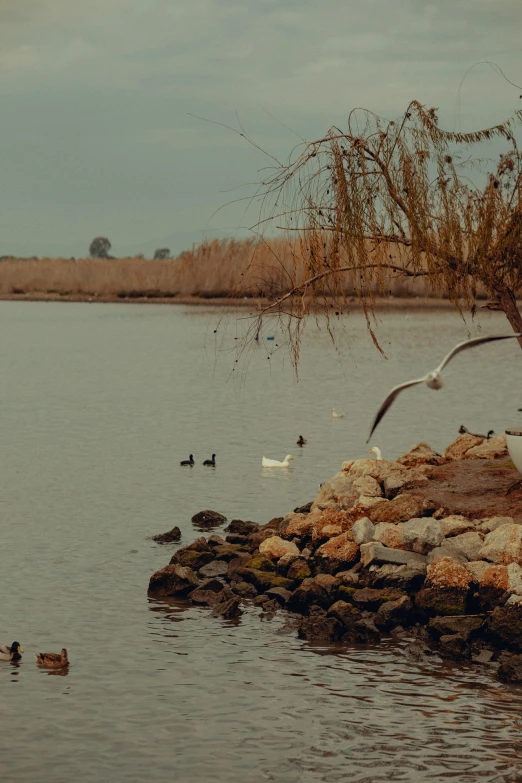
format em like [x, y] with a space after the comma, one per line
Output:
[508, 304]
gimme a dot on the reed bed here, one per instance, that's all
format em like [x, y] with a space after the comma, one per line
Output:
[214, 269]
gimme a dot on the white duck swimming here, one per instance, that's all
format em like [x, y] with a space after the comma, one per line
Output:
[337, 415]
[273, 463]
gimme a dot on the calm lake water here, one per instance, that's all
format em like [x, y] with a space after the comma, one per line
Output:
[98, 405]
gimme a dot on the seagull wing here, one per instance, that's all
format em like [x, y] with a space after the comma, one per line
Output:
[389, 400]
[471, 344]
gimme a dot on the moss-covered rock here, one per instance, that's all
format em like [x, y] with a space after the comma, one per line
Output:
[260, 562]
[347, 614]
[394, 613]
[442, 600]
[345, 593]
[239, 527]
[228, 551]
[320, 628]
[191, 558]
[174, 580]
[308, 594]
[299, 569]
[262, 580]
[372, 598]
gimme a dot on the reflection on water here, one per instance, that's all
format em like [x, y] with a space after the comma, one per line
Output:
[99, 405]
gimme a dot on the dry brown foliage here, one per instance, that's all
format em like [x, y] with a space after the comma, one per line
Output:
[216, 268]
[399, 199]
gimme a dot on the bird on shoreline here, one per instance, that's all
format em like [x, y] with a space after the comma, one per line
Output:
[301, 441]
[10, 653]
[464, 431]
[189, 461]
[211, 462]
[337, 415]
[53, 660]
[273, 463]
[376, 450]
[433, 379]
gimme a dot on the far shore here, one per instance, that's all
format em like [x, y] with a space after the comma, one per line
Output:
[390, 303]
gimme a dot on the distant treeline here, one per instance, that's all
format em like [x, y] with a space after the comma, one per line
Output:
[214, 268]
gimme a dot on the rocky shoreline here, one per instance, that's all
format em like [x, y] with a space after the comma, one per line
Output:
[428, 547]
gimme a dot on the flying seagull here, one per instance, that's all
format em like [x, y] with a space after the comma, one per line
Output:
[434, 379]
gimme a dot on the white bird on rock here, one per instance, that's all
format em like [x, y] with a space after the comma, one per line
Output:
[337, 415]
[433, 379]
[273, 463]
[376, 450]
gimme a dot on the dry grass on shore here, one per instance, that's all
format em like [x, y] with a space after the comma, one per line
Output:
[213, 269]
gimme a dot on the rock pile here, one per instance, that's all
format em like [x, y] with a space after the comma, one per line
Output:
[374, 554]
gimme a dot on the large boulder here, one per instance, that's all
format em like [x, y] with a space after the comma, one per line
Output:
[503, 545]
[446, 549]
[338, 552]
[363, 631]
[207, 518]
[174, 580]
[213, 569]
[260, 562]
[330, 523]
[371, 599]
[192, 558]
[421, 535]
[397, 612]
[298, 570]
[445, 572]
[275, 547]
[477, 568]
[491, 523]
[461, 445]
[228, 609]
[168, 538]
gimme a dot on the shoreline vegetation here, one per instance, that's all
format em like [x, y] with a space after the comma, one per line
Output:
[426, 549]
[221, 272]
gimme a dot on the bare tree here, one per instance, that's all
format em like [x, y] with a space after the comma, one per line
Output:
[399, 198]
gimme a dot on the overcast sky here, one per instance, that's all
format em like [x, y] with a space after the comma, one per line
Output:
[96, 96]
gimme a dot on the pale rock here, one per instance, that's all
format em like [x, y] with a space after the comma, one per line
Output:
[456, 524]
[469, 544]
[489, 449]
[306, 553]
[477, 568]
[446, 549]
[461, 445]
[393, 483]
[496, 576]
[336, 493]
[422, 534]
[389, 534]
[285, 560]
[367, 486]
[445, 572]
[276, 547]
[375, 552]
[363, 530]
[366, 501]
[380, 469]
[491, 523]
[503, 545]
[346, 466]
[514, 599]
[515, 578]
